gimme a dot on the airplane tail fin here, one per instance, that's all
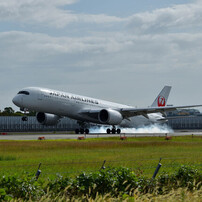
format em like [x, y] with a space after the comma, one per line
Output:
[162, 98]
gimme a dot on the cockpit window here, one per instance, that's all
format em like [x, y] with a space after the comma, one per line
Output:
[24, 92]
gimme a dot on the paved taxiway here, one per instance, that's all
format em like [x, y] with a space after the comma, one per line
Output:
[24, 136]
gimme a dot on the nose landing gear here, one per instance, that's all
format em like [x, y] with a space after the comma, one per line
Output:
[24, 118]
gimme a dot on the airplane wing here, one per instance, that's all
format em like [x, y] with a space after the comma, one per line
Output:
[129, 112]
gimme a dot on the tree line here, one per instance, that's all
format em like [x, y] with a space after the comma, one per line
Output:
[9, 111]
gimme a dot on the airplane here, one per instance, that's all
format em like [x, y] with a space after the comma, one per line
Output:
[52, 105]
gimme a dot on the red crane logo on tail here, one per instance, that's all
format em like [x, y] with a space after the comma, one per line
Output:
[161, 101]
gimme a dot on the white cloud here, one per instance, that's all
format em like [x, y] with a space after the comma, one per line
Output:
[172, 19]
[120, 51]
[48, 13]
[105, 60]
[56, 14]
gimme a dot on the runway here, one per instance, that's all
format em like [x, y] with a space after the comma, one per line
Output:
[58, 136]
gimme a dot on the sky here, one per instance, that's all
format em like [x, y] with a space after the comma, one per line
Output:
[118, 50]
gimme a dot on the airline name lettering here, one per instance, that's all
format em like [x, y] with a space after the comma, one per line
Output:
[74, 98]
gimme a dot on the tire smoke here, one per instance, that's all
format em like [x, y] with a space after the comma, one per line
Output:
[144, 129]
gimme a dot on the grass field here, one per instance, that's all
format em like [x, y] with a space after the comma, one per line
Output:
[66, 157]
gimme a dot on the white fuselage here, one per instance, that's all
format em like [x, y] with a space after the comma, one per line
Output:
[68, 104]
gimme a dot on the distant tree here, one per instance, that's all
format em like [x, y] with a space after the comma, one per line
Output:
[9, 110]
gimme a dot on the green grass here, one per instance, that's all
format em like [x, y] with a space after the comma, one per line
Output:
[142, 154]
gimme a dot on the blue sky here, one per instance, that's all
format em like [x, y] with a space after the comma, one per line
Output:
[122, 8]
[122, 51]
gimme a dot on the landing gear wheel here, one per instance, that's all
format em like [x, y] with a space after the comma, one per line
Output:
[84, 127]
[87, 131]
[108, 131]
[113, 131]
[118, 131]
[77, 131]
[82, 131]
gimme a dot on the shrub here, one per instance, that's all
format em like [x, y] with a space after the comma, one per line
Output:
[24, 187]
[185, 176]
[117, 182]
[110, 180]
[59, 184]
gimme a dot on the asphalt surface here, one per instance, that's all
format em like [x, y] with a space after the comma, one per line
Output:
[57, 136]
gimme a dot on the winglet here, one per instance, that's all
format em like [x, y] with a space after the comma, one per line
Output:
[162, 98]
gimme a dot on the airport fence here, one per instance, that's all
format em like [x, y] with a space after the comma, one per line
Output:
[15, 124]
[189, 122]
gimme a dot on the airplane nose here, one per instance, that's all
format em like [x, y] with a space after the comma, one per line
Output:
[16, 100]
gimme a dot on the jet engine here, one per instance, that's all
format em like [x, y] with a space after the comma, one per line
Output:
[47, 119]
[110, 116]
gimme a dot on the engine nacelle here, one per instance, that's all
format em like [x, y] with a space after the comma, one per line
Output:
[47, 119]
[110, 116]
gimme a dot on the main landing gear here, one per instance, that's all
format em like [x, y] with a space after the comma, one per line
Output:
[83, 128]
[82, 131]
[113, 130]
